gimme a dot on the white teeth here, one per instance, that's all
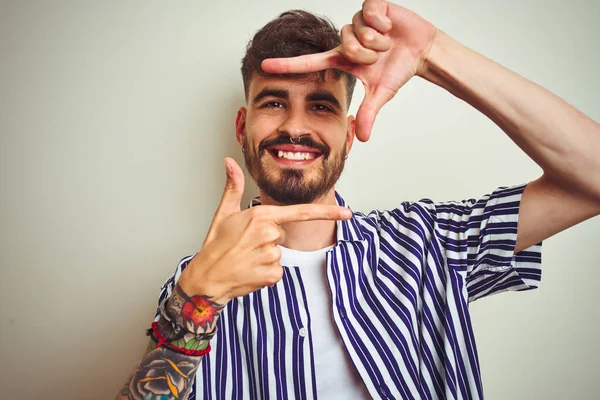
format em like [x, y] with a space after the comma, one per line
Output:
[295, 156]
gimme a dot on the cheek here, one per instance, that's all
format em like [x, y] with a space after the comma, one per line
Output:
[254, 137]
[337, 144]
[332, 131]
[262, 124]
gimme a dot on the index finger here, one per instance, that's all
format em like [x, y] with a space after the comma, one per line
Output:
[306, 212]
[302, 64]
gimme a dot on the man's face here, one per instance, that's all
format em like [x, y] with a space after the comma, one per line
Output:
[310, 112]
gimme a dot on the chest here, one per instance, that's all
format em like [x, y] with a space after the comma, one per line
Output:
[268, 343]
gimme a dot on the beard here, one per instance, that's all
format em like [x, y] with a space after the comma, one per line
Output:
[290, 185]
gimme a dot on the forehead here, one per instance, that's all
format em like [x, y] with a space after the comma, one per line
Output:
[300, 85]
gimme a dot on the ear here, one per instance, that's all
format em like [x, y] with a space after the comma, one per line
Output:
[351, 124]
[240, 125]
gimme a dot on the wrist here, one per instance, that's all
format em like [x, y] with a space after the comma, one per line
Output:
[197, 314]
[195, 280]
[187, 344]
[438, 55]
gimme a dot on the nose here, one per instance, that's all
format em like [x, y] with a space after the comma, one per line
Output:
[295, 124]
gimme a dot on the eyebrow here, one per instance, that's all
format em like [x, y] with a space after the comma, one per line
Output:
[324, 96]
[270, 92]
[321, 95]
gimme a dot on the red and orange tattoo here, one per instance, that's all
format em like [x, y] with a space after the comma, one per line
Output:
[198, 314]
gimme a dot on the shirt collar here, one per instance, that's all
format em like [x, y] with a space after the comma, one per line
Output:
[347, 230]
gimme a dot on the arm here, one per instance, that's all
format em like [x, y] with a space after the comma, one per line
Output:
[564, 142]
[160, 381]
[387, 45]
[166, 372]
[239, 256]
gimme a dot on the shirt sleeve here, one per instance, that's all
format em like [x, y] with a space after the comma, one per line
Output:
[479, 238]
[167, 287]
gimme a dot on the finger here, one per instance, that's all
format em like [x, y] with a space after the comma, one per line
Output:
[234, 190]
[302, 64]
[267, 254]
[281, 239]
[369, 37]
[368, 110]
[305, 212]
[273, 274]
[266, 234]
[353, 50]
[374, 13]
[232, 196]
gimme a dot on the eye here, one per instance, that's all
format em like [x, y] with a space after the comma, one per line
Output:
[322, 107]
[273, 104]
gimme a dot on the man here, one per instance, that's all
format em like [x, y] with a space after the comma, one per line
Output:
[298, 297]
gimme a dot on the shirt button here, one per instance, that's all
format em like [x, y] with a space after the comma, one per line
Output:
[303, 332]
[342, 313]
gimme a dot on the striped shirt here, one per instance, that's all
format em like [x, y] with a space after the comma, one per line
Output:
[400, 283]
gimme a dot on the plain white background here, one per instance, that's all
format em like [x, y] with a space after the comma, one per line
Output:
[115, 118]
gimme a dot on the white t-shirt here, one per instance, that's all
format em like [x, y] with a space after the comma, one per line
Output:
[335, 374]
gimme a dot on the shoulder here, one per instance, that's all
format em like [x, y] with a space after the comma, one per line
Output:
[409, 215]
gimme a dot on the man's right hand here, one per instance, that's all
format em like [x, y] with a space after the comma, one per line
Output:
[240, 253]
[384, 47]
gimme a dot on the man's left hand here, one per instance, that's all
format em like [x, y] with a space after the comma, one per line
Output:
[384, 47]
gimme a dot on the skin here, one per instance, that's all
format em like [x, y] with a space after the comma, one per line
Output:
[385, 46]
[296, 115]
[164, 372]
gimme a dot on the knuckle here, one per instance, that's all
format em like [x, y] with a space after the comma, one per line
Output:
[256, 212]
[303, 214]
[367, 38]
[371, 58]
[272, 254]
[352, 49]
[275, 275]
[346, 33]
[257, 218]
[270, 233]
[254, 223]
[386, 43]
[369, 14]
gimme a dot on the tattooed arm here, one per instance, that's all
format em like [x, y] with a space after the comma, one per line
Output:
[239, 255]
[165, 373]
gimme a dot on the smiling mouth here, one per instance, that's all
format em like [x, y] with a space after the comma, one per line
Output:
[290, 155]
[294, 155]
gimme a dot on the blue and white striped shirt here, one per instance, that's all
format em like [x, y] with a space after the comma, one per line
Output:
[400, 283]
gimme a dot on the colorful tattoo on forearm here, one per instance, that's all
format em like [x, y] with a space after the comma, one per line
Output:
[165, 373]
[162, 374]
[197, 314]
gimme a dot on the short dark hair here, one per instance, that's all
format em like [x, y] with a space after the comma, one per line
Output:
[293, 33]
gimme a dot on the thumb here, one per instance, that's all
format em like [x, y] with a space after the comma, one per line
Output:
[368, 110]
[234, 190]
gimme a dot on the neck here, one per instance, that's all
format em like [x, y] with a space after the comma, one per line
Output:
[308, 235]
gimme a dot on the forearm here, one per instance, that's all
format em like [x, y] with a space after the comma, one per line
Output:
[162, 372]
[563, 141]
[168, 372]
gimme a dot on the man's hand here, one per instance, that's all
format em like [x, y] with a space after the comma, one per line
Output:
[240, 252]
[384, 47]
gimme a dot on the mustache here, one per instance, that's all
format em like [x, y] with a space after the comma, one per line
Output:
[303, 140]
